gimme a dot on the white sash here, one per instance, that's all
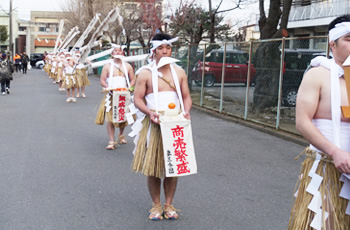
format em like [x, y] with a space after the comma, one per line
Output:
[111, 70]
[155, 75]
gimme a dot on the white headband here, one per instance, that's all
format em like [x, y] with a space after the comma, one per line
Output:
[339, 30]
[157, 43]
[118, 46]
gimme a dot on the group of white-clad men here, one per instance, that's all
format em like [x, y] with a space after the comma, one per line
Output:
[66, 70]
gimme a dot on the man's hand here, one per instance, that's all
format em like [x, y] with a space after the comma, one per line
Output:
[341, 161]
[187, 116]
[154, 117]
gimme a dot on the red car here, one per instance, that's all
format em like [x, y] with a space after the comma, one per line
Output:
[236, 68]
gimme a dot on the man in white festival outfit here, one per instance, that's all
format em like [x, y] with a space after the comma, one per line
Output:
[149, 157]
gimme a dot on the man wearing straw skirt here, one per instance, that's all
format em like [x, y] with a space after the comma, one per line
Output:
[322, 192]
[69, 79]
[60, 62]
[148, 154]
[116, 74]
[82, 76]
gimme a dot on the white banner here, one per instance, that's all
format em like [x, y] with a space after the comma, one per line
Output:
[121, 102]
[179, 156]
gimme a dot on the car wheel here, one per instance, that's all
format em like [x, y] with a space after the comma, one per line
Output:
[290, 97]
[209, 80]
[198, 82]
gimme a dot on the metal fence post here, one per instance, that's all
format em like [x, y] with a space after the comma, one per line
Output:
[188, 59]
[203, 69]
[327, 47]
[188, 68]
[248, 81]
[280, 85]
[223, 78]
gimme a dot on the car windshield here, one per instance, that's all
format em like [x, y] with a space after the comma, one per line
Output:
[214, 57]
[298, 61]
[231, 58]
[236, 58]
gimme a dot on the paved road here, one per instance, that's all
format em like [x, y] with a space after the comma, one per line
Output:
[55, 173]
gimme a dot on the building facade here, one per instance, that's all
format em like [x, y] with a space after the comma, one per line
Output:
[311, 18]
[40, 33]
[5, 21]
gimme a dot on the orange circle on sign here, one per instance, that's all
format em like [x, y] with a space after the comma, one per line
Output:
[171, 106]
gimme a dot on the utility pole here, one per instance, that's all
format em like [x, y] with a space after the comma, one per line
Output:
[10, 26]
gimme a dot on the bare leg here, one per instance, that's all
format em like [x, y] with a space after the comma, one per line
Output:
[169, 192]
[169, 189]
[68, 93]
[110, 130]
[153, 184]
[83, 91]
[121, 130]
[73, 92]
[154, 188]
[121, 137]
[78, 95]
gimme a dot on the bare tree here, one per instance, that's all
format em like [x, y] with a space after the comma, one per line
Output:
[215, 11]
[268, 53]
[146, 17]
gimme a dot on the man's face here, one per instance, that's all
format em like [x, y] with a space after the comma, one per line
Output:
[341, 48]
[162, 51]
[118, 51]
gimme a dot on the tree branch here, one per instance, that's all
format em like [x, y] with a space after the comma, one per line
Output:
[233, 8]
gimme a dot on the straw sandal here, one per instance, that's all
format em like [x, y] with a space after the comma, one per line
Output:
[156, 212]
[170, 212]
[111, 145]
[122, 139]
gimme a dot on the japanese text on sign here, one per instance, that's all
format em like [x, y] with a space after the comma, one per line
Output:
[121, 108]
[180, 150]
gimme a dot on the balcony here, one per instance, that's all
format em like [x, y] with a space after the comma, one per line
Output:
[319, 10]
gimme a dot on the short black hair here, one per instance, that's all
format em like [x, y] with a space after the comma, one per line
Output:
[340, 19]
[161, 36]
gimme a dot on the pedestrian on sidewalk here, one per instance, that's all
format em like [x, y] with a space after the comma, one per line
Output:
[115, 75]
[24, 60]
[17, 60]
[321, 199]
[148, 155]
[6, 70]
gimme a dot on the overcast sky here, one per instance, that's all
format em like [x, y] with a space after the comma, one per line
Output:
[245, 16]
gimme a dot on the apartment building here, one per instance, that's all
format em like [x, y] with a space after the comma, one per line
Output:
[40, 33]
[311, 18]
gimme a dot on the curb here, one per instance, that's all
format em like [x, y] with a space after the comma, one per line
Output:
[297, 139]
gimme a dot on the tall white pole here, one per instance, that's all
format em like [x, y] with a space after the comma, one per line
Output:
[10, 26]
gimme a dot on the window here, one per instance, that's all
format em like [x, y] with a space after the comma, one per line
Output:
[42, 29]
[214, 57]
